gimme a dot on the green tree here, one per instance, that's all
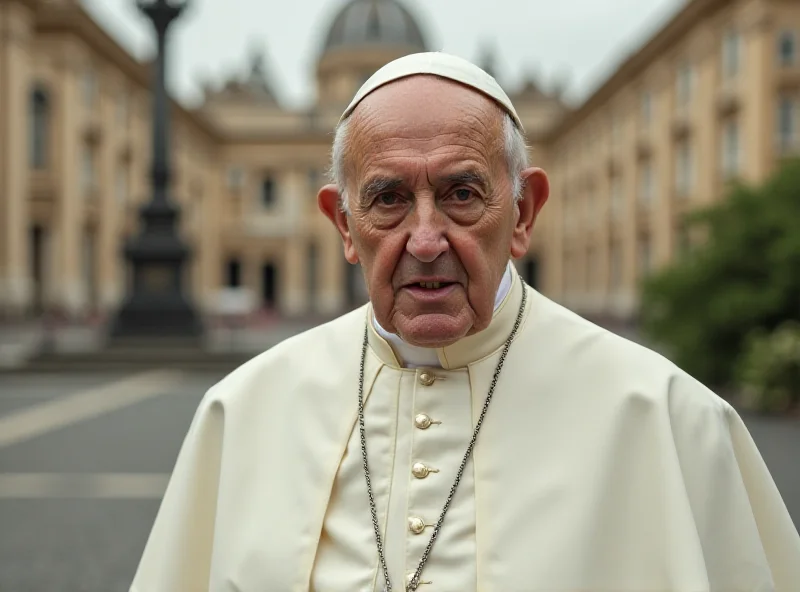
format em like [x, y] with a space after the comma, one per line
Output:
[744, 276]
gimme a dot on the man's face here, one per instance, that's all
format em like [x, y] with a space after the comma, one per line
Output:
[433, 222]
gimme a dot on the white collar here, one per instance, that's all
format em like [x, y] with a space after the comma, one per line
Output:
[413, 356]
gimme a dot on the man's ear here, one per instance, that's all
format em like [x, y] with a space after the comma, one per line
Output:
[329, 202]
[535, 191]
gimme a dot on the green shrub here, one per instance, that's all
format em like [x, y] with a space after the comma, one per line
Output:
[744, 276]
[769, 370]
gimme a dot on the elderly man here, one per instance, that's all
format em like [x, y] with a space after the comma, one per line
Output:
[461, 432]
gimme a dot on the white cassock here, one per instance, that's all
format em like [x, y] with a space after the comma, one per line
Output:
[601, 467]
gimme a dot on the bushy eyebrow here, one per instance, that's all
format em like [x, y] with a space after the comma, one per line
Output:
[378, 185]
[469, 177]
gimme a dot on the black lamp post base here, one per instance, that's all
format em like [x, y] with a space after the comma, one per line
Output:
[143, 316]
[157, 306]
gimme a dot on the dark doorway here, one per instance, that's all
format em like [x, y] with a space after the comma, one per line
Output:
[312, 282]
[233, 272]
[37, 238]
[356, 288]
[90, 271]
[530, 272]
[269, 286]
[40, 122]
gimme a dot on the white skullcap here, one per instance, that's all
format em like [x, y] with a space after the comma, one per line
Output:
[438, 64]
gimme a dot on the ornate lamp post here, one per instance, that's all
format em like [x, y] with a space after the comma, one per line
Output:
[156, 305]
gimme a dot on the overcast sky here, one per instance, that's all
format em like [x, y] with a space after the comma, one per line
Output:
[582, 40]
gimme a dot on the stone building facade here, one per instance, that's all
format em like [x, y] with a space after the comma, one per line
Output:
[714, 95]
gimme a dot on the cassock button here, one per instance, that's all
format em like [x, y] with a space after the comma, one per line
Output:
[420, 470]
[423, 421]
[416, 524]
[427, 378]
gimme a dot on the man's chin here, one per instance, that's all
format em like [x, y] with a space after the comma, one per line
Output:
[432, 330]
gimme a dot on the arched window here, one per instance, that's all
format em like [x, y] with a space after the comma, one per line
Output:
[40, 126]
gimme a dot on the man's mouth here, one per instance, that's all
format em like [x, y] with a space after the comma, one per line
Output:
[430, 292]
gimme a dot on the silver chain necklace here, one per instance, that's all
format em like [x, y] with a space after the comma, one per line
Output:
[413, 584]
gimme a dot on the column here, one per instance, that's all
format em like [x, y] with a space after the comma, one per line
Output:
[550, 225]
[758, 116]
[332, 289]
[602, 194]
[293, 277]
[15, 87]
[663, 221]
[68, 224]
[705, 121]
[108, 251]
[629, 163]
[209, 233]
[251, 262]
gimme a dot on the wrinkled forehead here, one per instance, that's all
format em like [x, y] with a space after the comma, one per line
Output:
[426, 99]
[424, 118]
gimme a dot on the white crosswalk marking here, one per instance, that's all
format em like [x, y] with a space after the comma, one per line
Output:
[40, 419]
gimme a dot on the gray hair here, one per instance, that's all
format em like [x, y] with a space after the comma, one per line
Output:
[515, 148]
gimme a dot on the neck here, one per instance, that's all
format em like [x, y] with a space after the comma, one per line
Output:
[412, 356]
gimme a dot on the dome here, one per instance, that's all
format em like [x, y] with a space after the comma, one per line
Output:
[374, 22]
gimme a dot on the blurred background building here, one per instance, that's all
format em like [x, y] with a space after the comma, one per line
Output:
[713, 96]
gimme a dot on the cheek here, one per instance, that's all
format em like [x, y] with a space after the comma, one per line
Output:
[480, 252]
[379, 252]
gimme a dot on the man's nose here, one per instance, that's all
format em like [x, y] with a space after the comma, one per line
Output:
[427, 240]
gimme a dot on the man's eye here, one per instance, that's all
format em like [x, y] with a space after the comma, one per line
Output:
[387, 199]
[463, 194]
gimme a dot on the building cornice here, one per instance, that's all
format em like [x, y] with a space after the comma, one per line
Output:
[640, 59]
[73, 19]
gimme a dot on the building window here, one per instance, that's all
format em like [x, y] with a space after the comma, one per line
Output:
[267, 192]
[731, 151]
[646, 108]
[269, 285]
[787, 123]
[787, 48]
[530, 271]
[646, 183]
[731, 54]
[683, 169]
[233, 273]
[40, 124]
[683, 85]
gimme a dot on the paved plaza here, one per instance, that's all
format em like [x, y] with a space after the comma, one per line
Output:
[84, 460]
